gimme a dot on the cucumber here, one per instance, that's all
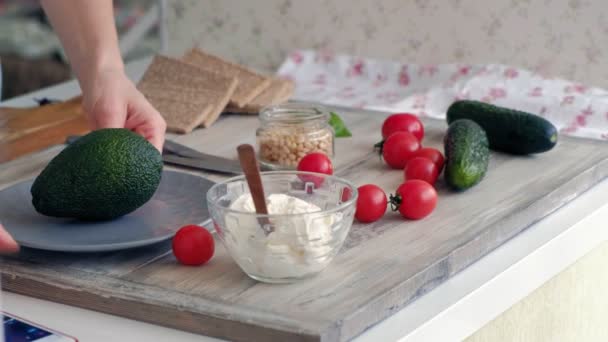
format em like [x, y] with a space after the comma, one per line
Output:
[510, 131]
[467, 154]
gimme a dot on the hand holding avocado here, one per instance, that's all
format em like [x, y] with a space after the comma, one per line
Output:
[112, 101]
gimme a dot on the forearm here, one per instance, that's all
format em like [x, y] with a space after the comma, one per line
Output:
[87, 32]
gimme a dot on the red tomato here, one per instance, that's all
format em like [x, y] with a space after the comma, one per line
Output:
[421, 168]
[399, 148]
[415, 199]
[403, 122]
[346, 193]
[371, 203]
[315, 162]
[434, 155]
[193, 245]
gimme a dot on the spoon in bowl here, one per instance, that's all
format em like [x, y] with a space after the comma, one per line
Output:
[251, 169]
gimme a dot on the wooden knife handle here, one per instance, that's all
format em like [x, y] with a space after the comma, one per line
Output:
[251, 170]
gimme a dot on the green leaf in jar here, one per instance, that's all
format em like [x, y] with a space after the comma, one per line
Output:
[335, 121]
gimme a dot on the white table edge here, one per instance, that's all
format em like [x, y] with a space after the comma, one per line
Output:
[452, 311]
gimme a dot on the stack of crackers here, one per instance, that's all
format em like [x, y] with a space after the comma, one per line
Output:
[194, 90]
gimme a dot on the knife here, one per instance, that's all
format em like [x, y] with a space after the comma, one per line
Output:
[203, 159]
[209, 163]
[186, 156]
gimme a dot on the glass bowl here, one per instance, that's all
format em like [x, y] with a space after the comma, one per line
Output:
[310, 215]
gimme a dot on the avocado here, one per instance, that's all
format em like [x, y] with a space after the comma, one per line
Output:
[103, 175]
[510, 131]
[467, 154]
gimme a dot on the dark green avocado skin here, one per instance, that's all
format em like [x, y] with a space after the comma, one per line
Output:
[510, 131]
[103, 175]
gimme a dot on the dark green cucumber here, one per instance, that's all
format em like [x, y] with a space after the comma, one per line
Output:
[467, 154]
[511, 131]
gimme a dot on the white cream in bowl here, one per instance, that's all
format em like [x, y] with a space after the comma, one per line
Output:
[298, 245]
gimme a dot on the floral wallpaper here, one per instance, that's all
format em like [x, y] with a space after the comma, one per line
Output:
[563, 38]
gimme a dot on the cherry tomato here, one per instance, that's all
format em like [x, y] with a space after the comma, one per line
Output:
[346, 193]
[403, 122]
[434, 155]
[421, 168]
[315, 162]
[193, 245]
[415, 199]
[371, 203]
[399, 148]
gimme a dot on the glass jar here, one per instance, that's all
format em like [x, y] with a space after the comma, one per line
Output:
[289, 131]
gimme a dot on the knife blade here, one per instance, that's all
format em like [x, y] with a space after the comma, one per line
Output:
[187, 152]
[225, 166]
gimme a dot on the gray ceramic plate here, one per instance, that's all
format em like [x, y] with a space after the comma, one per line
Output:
[179, 200]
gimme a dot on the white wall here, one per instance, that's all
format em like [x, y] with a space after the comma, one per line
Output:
[572, 306]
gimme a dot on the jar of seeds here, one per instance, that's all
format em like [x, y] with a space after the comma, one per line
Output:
[289, 131]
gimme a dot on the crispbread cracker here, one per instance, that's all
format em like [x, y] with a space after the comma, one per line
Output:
[169, 71]
[279, 91]
[287, 91]
[171, 92]
[221, 100]
[250, 85]
[188, 96]
[181, 117]
[218, 99]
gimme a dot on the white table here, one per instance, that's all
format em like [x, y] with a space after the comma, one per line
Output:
[452, 311]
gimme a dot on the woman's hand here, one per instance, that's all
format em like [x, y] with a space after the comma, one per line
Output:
[7, 244]
[87, 32]
[111, 100]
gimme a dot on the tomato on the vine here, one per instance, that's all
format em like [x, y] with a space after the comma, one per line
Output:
[399, 148]
[421, 168]
[434, 155]
[403, 122]
[415, 199]
[371, 203]
[193, 245]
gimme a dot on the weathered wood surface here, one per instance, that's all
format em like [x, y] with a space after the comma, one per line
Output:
[382, 267]
[26, 130]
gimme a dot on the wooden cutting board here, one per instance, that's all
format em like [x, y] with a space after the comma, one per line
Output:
[382, 267]
[27, 130]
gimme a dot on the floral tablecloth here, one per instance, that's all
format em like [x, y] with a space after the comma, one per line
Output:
[427, 90]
